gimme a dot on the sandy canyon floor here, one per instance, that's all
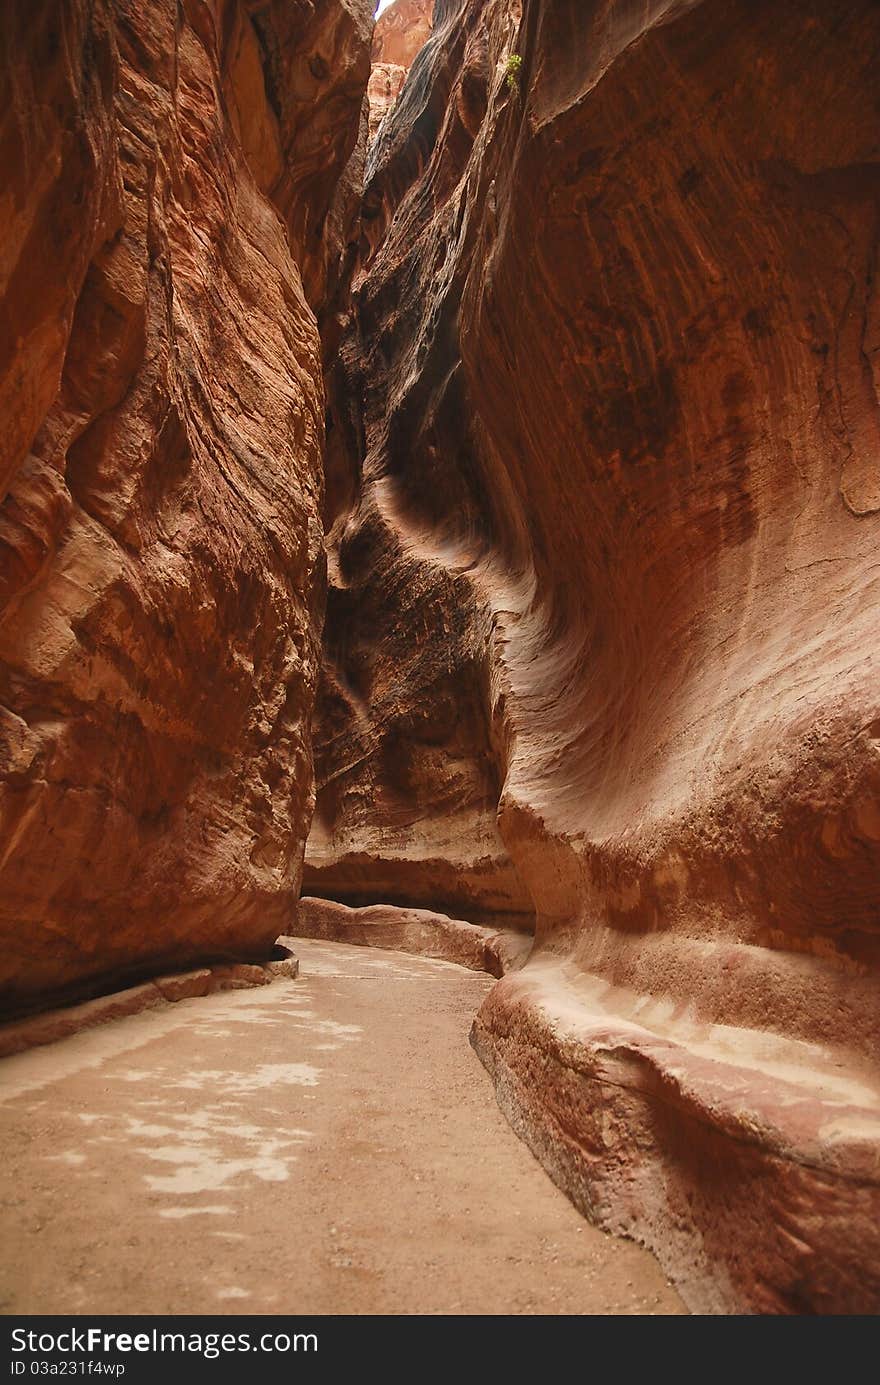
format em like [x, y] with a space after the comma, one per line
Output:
[326, 1145]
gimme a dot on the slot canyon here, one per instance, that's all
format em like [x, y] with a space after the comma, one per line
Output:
[440, 505]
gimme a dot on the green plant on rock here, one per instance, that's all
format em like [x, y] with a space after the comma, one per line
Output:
[511, 72]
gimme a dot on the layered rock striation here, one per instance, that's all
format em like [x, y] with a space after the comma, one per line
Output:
[408, 772]
[401, 32]
[604, 604]
[172, 221]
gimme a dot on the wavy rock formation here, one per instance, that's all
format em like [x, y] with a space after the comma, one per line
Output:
[603, 618]
[401, 32]
[170, 210]
[407, 773]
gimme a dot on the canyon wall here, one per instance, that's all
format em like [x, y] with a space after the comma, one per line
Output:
[172, 179]
[401, 32]
[602, 636]
[407, 769]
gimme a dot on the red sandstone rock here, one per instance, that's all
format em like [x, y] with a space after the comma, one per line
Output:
[604, 559]
[418, 931]
[401, 31]
[400, 34]
[602, 514]
[386, 82]
[163, 413]
[406, 761]
[295, 75]
[48, 1027]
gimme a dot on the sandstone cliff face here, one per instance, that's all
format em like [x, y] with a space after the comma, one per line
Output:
[386, 83]
[166, 169]
[407, 770]
[603, 620]
[401, 32]
[407, 780]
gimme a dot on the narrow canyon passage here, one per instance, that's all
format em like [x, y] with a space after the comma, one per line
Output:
[440, 507]
[325, 1145]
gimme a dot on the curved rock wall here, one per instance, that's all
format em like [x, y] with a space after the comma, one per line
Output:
[603, 619]
[407, 771]
[167, 167]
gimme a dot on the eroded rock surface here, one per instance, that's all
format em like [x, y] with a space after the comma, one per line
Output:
[386, 82]
[401, 32]
[419, 931]
[169, 182]
[603, 619]
[407, 767]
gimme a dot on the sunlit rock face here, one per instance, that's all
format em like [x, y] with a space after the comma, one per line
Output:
[603, 617]
[401, 32]
[169, 171]
[386, 82]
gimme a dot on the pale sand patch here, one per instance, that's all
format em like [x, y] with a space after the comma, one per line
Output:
[265, 1075]
[176, 1213]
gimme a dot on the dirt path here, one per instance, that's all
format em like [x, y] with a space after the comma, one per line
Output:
[326, 1145]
